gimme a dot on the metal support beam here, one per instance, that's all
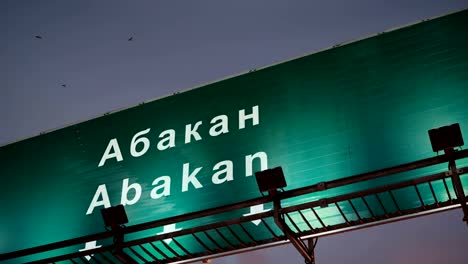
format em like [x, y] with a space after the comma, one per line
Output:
[457, 184]
[311, 243]
[118, 248]
[290, 232]
[244, 204]
[304, 250]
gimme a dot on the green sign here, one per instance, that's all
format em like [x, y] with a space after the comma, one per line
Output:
[347, 110]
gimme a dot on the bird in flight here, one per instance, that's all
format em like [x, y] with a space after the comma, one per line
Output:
[130, 39]
[64, 85]
[38, 37]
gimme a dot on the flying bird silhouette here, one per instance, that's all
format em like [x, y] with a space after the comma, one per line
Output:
[38, 37]
[130, 39]
[64, 85]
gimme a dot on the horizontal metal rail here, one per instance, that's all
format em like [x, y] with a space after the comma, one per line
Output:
[374, 174]
[173, 236]
[263, 216]
[350, 196]
[369, 192]
[287, 212]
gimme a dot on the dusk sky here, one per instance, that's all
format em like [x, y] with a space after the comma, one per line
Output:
[83, 65]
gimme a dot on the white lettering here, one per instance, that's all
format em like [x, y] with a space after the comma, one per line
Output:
[228, 171]
[221, 127]
[168, 141]
[189, 132]
[249, 162]
[166, 186]
[254, 116]
[101, 191]
[136, 141]
[190, 178]
[223, 171]
[125, 188]
[113, 145]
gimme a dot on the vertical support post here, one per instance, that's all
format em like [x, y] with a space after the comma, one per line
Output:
[458, 187]
[118, 250]
[312, 245]
[296, 242]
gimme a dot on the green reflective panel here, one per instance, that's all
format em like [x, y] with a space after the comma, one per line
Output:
[344, 111]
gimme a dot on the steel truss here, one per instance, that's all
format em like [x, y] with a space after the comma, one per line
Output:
[291, 223]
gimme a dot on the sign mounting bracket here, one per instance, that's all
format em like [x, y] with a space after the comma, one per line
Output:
[307, 251]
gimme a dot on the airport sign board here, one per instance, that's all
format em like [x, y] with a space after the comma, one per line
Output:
[360, 107]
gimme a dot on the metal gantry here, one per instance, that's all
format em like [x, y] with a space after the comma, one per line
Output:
[292, 223]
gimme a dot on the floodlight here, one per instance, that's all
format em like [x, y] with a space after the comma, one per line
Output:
[271, 179]
[446, 137]
[114, 216]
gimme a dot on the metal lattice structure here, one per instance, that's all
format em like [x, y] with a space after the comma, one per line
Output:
[291, 223]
